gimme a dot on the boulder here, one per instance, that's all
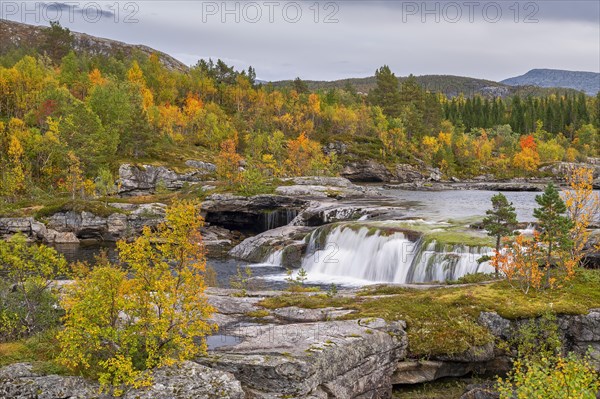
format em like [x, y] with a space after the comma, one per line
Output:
[28, 226]
[406, 173]
[335, 148]
[218, 240]
[480, 391]
[417, 372]
[330, 359]
[144, 179]
[201, 166]
[258, 248]
[56, 237]
[366, 171]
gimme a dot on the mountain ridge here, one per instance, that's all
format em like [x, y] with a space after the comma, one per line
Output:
[588, 82]
[17, 34]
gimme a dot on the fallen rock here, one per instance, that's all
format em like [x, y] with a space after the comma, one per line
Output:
[55, 237]
[144, 179]
[418, 372]
[366, 171]
[201, 166]
[480, 391]
[258, 248]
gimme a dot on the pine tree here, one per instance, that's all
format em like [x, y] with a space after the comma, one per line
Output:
[387, 93]
[300, 86]
[554, 225]
[501, 220]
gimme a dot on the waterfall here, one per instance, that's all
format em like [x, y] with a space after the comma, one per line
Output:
[374, 255]
[278, 218]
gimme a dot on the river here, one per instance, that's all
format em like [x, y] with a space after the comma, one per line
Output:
[434, 206]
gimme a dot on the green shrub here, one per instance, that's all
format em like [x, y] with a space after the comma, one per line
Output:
[473, 278]
[553, 377]
[27, 299]
[253, 182]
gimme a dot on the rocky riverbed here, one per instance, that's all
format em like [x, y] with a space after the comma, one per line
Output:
[292, 352]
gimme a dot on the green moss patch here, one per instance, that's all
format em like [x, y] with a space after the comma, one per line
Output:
[443, 321]
[98, 208]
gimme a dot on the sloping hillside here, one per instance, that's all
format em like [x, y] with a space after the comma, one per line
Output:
[589, 82]
[449, 85]
[17, 35]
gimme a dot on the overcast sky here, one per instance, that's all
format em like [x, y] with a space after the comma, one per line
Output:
[284, 39]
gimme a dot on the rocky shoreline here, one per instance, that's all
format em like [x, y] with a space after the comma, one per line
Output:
[292, 352]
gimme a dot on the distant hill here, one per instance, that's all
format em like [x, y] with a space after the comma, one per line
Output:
[15, 34]
[588, 82]
[450, 85]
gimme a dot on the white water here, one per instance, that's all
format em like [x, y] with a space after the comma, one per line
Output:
[358, 256]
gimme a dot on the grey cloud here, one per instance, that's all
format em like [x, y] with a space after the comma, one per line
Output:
[367, 36]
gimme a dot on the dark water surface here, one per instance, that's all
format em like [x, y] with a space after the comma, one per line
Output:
[225, 268]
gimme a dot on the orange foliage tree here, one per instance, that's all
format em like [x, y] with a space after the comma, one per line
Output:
[228, 161]
[528, 159]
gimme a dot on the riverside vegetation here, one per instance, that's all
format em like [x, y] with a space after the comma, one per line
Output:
[121, 320]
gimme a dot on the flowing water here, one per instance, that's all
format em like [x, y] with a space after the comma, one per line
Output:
[350, 257]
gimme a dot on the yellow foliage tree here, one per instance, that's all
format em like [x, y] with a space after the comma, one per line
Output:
[117, 326]
[12, 179]
[583, 208]
[74, 181]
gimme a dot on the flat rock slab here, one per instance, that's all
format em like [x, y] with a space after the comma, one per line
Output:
[301, 315]
[186, 381]
[231, 305]
[330, 359]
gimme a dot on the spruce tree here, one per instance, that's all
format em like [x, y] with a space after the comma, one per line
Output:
[553, 224]
[501, 220]
[387, 93]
